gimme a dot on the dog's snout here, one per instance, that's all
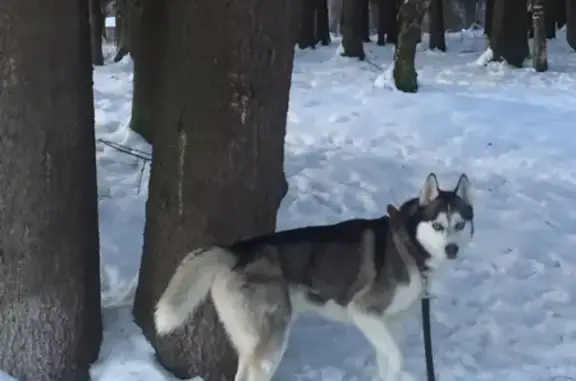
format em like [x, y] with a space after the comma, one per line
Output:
[451, 250]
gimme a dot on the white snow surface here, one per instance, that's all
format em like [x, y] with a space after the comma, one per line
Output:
[505, 311]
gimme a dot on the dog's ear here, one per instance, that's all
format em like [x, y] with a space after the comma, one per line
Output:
[430, 190]
[462, 189]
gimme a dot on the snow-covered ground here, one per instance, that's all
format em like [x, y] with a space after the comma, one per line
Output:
[505, 311]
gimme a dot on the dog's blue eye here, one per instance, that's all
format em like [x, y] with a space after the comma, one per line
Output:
[437, 226]
[460, 225]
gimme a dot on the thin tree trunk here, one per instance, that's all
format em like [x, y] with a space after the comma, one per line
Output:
[509, 37]
[217, 171]
[322, 27]
[382, 22]
[122, 29]
[307, 20]
[145, 73]
[560, 13]
[335, 16]
[405, 76]
[365, 21]
[96, 32]
[437, 29]
[50, 324]
[387, 21]
[352, 34]
[488, 17]
[470, 7]
[571, 23]
[539, 54]
[393, 24]
[550, 16]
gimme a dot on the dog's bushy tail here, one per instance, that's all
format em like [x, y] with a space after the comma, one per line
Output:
[190, 285]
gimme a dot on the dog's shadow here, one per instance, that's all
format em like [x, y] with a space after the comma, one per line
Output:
[322, 350]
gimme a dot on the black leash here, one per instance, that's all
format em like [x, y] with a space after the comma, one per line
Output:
[427, 334]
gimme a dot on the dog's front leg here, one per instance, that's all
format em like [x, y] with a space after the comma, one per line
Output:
[388, 354]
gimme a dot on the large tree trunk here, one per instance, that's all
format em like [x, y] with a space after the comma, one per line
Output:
[539, 53]
[96, 32]
[217, 171]
[405, 76]
[145, 73]
[571, 23]
[352, 34]
[509, 37]
[437, 38]
[50, 324]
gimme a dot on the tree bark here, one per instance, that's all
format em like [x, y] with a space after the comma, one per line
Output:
[509, 37]
[571, 23]
[96, 32]
[145, 73]
[352, 25]
[405, 76]
[539, 54]
[217, 171]
[307, 20]
[51, 327]
[437, 29]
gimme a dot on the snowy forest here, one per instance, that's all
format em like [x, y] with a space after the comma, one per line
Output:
[210, 92]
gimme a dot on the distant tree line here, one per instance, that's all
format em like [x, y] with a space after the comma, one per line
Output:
[507, 23]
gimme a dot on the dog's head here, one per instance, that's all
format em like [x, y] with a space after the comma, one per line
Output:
[441, 221]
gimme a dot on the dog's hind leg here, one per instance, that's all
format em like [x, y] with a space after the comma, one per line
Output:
[265, 361]
[254, 307]
[243, 366]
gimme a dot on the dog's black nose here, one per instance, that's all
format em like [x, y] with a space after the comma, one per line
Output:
[451, 250]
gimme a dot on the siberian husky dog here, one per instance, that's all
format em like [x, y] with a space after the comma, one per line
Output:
[368, 273]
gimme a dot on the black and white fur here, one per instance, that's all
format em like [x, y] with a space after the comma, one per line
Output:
[368, 273]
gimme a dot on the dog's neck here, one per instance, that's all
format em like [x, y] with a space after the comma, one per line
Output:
[406, 246]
